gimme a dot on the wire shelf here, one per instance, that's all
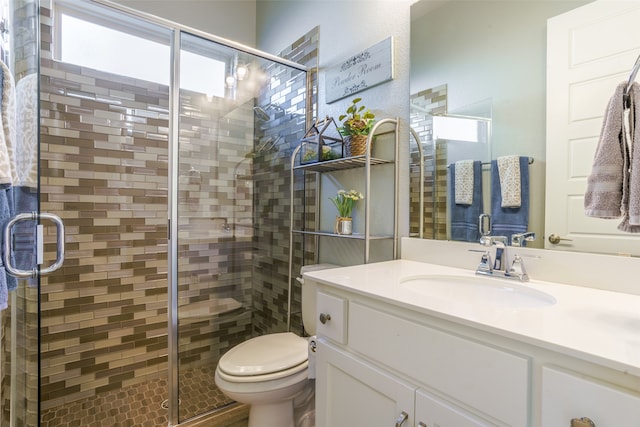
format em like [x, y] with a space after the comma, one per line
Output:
[339, 164]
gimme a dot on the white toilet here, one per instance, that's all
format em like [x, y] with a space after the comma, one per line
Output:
[269, 371]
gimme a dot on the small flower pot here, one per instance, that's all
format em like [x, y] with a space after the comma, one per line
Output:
[344, 225]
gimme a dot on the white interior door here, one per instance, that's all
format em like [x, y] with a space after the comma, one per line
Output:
[589, 51]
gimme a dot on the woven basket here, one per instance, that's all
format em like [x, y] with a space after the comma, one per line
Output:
[356, 145]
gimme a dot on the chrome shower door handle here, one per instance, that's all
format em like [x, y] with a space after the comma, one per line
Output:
[59, 243]
[8, 248]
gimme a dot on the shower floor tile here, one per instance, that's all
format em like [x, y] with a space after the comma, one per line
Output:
[141, 404]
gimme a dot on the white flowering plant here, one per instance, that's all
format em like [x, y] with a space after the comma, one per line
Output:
[345, 200]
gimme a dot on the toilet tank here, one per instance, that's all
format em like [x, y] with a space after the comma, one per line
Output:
[309, 297]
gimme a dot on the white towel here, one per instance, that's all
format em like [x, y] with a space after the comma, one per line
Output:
[464, 182]
[25, 154]
[509, 171]
[8, 133]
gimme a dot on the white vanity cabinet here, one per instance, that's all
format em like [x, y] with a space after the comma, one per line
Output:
[375, 365]
[384, 352]
[356, 393]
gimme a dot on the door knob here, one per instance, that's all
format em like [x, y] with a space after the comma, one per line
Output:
[555, 239]
[582, 422]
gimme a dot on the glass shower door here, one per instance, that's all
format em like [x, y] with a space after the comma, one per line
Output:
[239, 116]
[214, 214]
[19, 195]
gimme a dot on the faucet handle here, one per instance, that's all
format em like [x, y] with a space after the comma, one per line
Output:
[486, 266]
[517, 239]
[517, 269]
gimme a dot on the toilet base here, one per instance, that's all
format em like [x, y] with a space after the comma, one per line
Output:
[278, 414]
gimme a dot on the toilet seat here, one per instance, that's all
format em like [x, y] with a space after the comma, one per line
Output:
[265, 358]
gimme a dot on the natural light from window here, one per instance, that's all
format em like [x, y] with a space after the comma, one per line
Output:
[202, 74]
[101, 48]
[95, 46]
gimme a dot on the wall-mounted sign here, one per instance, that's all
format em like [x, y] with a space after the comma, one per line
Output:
[362, 71]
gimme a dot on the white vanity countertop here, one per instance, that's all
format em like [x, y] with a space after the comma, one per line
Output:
[599, 326]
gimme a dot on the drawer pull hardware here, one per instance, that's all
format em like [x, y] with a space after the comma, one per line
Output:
[402, 418]
[582, 422]
[324, 318]
[421, 424]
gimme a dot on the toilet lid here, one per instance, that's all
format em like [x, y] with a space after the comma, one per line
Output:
[265, 354]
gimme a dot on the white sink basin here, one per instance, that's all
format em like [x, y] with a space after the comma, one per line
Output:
[478, 290]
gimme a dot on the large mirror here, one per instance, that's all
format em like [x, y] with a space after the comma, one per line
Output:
[485, 60]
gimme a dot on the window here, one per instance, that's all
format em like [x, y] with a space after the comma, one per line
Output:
[105, 39]
[95, 46]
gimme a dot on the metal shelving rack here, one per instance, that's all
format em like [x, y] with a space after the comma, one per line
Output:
[365, 161]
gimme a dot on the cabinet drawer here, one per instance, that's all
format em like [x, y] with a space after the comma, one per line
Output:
[432, 411]
[566, 396]
[334, 312]
[485, 378]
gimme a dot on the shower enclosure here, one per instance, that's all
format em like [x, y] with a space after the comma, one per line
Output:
[168, 173]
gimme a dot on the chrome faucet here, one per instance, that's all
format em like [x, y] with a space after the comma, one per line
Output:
[501, 266]
[501, 258]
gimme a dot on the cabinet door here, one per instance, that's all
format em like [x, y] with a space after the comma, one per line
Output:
[432, 411]
[493, 381]
[566, 396]
[352, 393]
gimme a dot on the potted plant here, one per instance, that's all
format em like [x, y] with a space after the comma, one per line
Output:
[344, 202]
[356, 126]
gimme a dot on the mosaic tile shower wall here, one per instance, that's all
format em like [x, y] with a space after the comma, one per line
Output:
[215, 238]
[430, 102]
[104, 314]
[271, 174]
[104, 170]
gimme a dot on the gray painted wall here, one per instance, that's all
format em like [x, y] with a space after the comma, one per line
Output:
[231, 19]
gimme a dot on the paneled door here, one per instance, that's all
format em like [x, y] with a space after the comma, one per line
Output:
[590, 50]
